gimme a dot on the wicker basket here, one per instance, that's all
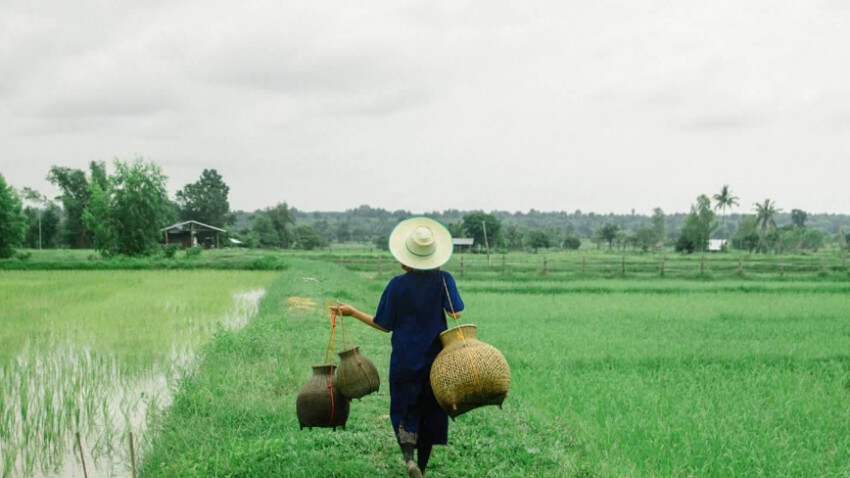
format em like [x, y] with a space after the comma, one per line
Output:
[356, 375]
[319, 404]
[468, 373]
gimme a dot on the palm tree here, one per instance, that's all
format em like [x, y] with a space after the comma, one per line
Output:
[765, 216]
[725, 200]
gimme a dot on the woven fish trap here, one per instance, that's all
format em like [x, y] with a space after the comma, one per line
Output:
[468, 373]
[319, 403]
[356, 376]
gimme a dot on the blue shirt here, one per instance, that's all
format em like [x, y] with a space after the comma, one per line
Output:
[413, 308]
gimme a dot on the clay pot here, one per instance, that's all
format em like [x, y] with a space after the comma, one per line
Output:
[319, 402]
[468, 373]
[356, 375]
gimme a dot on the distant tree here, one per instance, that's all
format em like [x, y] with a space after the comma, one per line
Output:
[724, 200]
[343, 232]
[12, 220]
[75, 197]
[306, 238]
[698, 226]
[456, 229]
[537, 240]
[382, 242]
[645, 237]
[205, 200]
[514, 238]
[765, 218]
[798, 218]
[42, 226]
[659, 224]
[747, 236]
[282, 217]
[474, 224]
[126, 216]
[263, 231]
[572, 242]
[608, 233]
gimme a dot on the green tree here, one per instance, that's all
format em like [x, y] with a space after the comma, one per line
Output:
[474, 225]
[765, 219]
[537, 240]
[126, 213]
[264, 232]
[12, 220]
[205, 200]
[747, 236]
[698, 226]
[798, 218]
[659, 225]
[724, 200]
[608, 233]
[572, 242]
[514, 237]
[42, 226]
[283, 218]
[306, 238]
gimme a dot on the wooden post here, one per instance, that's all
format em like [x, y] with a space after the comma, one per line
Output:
[740, 266]
[132, 455]
[623, 267]
[461, 266]
[166, 237]
[544, 265]
[82, 455]
[582, 264]
[503, 264]
[381, 266]
[663, 259]
[822, 266]
[781, 267]
[486, 243]
[702, 264]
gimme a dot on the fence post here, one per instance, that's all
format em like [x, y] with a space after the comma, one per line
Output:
[503, 264]
[461, 266]
[380, 266]
[781, 267]
[822, 266]
[623, 267]
[663, 260]
[740, 266]
[544, 265]
[582, 265]
[702, 264]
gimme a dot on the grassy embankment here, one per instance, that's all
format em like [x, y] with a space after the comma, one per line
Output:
[610, 378]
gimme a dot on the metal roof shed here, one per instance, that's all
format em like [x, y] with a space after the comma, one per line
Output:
[188, 232]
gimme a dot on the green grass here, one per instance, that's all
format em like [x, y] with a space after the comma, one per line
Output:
[91, 351]
[647, 378]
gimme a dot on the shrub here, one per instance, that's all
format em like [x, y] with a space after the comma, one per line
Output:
[170, 250]
[194, 251]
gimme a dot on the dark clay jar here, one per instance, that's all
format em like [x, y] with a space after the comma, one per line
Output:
[319, 403]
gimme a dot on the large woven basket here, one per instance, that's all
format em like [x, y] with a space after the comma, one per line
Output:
[356, 375]
[468, 373]
[319, 404]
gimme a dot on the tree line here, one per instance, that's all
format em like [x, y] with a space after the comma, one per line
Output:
[124, 212]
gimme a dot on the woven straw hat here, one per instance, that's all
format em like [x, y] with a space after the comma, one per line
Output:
[421, 243]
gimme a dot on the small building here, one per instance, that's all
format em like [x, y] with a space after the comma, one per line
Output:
[716, 245]
[460, 243]
[193, 233]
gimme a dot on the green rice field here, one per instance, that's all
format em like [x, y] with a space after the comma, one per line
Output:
[97, 353]
[611, 378]
[635, 376]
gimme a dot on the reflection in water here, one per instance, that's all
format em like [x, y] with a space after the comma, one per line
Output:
[49, 394]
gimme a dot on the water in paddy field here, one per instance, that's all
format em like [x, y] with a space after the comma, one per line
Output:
[50, 394]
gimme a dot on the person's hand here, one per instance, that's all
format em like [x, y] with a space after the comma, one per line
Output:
[343, 309]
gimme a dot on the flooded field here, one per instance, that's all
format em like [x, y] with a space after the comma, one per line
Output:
[86, 358]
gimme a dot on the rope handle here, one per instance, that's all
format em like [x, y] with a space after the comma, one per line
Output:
[460, 336]
[346, 341]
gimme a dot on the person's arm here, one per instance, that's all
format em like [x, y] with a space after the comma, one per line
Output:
[350, 311]
[454, 315]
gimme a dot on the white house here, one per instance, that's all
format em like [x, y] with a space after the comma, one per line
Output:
[716, 245]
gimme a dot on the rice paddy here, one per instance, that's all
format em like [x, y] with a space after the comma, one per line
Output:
[611, 377]
[97, 353]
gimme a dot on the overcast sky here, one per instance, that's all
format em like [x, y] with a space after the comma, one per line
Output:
[599, 105]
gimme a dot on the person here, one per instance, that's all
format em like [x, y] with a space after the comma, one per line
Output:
[413, 307]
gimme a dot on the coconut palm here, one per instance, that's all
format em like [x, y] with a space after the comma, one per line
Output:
[765, 216]
[724, 200]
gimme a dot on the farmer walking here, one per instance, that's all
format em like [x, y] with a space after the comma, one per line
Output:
[413, 307]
